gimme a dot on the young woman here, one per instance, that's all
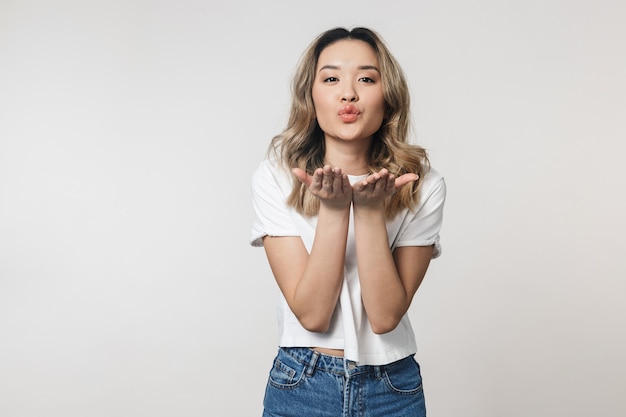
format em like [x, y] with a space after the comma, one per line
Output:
[349, 215]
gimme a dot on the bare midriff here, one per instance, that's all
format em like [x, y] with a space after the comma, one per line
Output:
[331, 352]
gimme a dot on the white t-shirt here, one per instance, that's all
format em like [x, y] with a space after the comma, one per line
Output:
[349, 329]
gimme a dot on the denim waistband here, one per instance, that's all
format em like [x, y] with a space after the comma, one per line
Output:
[335, 364]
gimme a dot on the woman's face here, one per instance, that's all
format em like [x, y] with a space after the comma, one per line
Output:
[348, 92]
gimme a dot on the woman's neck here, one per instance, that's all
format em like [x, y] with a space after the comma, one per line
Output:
[350, 167]
[353, 160]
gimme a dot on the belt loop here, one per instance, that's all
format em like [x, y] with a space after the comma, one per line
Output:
[311, 366]
[378, 372]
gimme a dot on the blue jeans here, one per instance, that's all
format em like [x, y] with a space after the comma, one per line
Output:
[305, 383]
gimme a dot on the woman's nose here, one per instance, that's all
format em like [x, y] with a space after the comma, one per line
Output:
[349, 95]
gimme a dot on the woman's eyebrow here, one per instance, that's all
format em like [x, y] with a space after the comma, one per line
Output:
[369, 67]
[330, 67]
[361, 67]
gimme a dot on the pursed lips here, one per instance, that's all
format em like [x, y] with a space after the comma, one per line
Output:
[349, 113]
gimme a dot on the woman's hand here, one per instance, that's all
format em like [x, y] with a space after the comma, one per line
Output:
[375, 189]
[328, 184]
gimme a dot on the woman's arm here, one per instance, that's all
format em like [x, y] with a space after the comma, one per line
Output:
[311, 283]
[388, 280]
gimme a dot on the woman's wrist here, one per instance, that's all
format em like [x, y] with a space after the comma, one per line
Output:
[369, 207]
[369, 212]
[334, 211]
[335, 206]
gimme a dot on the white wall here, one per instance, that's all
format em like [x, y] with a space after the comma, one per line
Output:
[128, 133]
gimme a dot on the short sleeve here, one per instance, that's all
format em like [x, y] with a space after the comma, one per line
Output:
[271, 214]
[425, 224]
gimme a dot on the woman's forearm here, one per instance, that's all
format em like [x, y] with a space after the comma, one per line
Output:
[315, 297]
[384, 296]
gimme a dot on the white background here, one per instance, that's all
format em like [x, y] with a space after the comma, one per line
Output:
[128, 133]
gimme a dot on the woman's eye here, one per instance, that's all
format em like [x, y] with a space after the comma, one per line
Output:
[366, 79]
[331, 79]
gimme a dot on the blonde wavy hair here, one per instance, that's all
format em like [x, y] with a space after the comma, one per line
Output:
[301, 143]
